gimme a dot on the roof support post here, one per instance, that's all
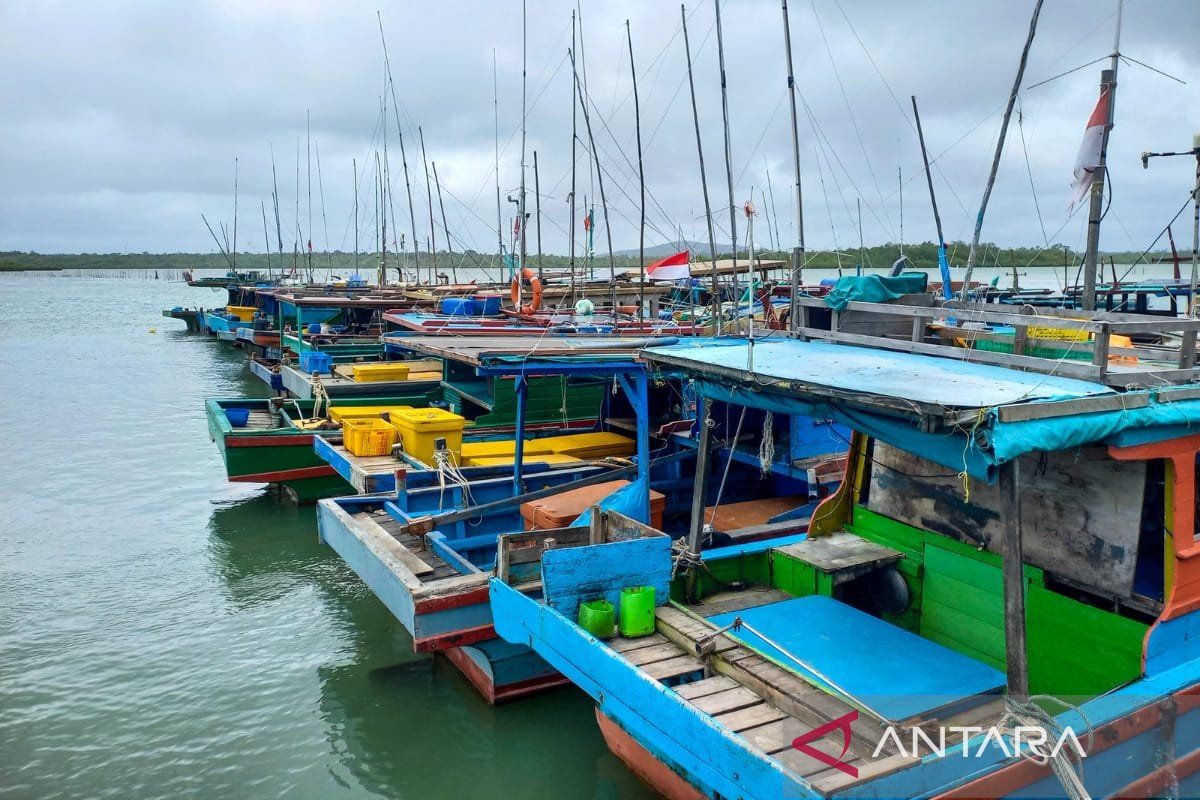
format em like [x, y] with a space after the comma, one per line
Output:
[1015, 654]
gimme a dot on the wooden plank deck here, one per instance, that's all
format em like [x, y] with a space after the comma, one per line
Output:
[766, 705]
[364, 470]
[260, 420]
[427, 565]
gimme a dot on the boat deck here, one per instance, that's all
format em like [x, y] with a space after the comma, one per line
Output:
[367, 474]
[426, 565]
[260, 420]
[766, 705]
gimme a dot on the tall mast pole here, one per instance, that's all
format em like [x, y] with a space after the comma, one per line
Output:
[429, 198]
[708, 217]
[728, 155]
[521, 201]
[403, 155]
[496, 147]
[537, 213]
[266, 236]
[943, 264]
[275, 202]
[987, 191]
[308, 150]
[587, 121]
[442, 206]
[637, 125]
[798, 249]
[233, 250]
[354, 163]
[574, 97]
[1108, 84]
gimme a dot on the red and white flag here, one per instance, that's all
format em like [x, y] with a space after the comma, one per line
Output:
[671, 268]
[1088, 158]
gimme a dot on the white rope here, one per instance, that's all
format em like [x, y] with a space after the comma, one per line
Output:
[443, 461]
[1067, 767]
[766, 448]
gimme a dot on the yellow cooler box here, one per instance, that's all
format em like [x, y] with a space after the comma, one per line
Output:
[421, 428]
[382, 371]
[343, 413]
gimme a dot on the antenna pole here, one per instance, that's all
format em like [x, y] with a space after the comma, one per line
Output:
[798, 250]
[637, 124]
[708, 217]
[987, 191]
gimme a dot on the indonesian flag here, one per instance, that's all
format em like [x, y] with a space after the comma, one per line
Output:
[1088, 158]
[671, 268]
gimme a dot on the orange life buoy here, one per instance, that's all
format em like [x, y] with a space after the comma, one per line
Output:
[535, 286]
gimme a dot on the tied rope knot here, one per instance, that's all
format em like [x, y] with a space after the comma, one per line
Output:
[1066, 765]
[683, 558]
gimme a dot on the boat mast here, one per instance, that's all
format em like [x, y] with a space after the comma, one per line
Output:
[798, 249]
[571, 227]
[708, 217]
[537, 213]
[275, 202]
[496, 146]
[429, 197]
[987, 191]
[403, 155]
[521, 201]
[1108, 83]
[943, 264]
[354, 163]
[308, 150]
[728, 156]
[637, 126]
[266, 237]
[442, 206]
[587, 122]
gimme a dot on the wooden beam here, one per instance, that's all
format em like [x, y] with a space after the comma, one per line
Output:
[1013, 569]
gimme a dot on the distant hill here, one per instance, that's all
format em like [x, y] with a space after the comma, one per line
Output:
[667, 249]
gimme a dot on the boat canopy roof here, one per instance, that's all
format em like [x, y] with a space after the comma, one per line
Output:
[966, 416]
[541, 354]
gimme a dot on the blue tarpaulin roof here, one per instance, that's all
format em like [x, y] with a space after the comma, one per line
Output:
[885, 393]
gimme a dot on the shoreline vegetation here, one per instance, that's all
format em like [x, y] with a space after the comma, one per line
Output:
[923, 255]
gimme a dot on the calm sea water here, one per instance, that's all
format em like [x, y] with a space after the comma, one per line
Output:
[164, 633]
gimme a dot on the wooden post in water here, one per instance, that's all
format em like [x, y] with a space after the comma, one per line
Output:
[1013, 569]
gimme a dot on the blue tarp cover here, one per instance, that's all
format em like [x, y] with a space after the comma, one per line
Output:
[874, 288]
[977, 448]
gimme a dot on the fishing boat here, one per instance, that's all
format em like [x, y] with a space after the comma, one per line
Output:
[426, 550]
[997, 601]
[192, 317]
[262, 441]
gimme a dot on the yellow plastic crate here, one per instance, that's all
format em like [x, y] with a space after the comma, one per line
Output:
[505, 461]
[592, 445]
[502, 448]
[421, 428]
[244, 313]
[368, 437]
[383, 371]
[343, 413]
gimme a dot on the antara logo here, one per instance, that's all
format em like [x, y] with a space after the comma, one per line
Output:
[1031, 742]
[842, 723]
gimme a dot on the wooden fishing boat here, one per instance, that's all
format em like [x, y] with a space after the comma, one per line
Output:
[191, 317]
[270, 448]
[342, 380]
[1012, 553]
[398, 543]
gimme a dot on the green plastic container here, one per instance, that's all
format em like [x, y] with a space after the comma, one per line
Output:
[637, 611]
[597, 617]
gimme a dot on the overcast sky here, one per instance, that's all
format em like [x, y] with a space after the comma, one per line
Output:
[120, 122]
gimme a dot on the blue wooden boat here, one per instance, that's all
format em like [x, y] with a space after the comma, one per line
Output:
[1012, 551]
[403, 545]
